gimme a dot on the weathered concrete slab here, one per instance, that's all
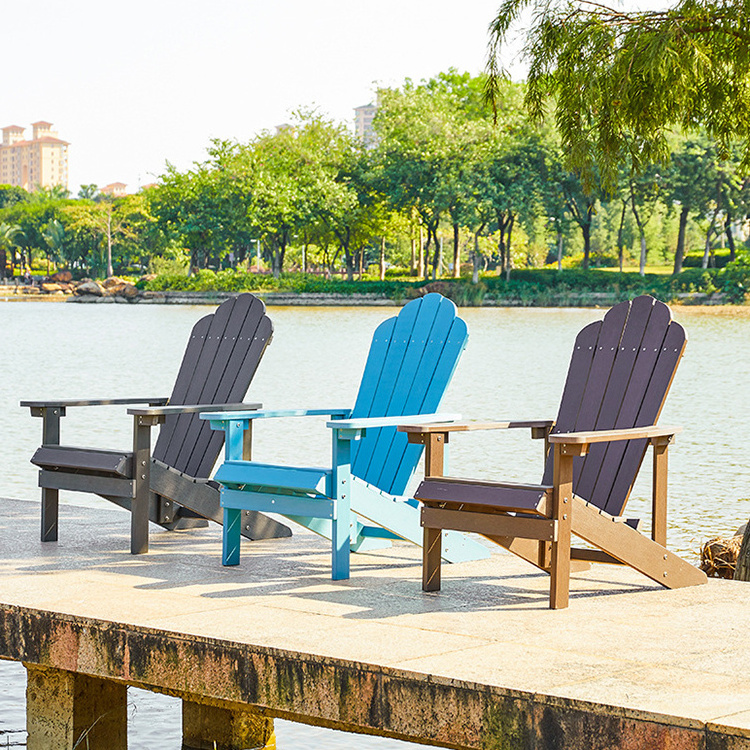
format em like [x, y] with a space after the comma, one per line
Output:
[482, 664]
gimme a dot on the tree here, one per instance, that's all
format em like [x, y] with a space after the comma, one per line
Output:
[111, 221]
[298, 178]
[621, 81]
[581, 203]
[88, 192]
[688, 184]
[49, 194]
[415, 128]
[54, 236]
[33, 217]
[10, 195]
[426, 157]
[204, 208]
[9, 234]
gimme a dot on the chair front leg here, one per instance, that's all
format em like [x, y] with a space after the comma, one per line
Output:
[142, 482]
[562, 506]
[50, 498]
[432, 539]
[432, 547]
[659, 490]
[230, 536]
[238, 442]
[341, 479]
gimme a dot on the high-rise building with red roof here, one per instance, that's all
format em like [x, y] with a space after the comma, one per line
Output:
[31, 164]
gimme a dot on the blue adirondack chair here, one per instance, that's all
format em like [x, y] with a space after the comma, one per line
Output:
[357, 503]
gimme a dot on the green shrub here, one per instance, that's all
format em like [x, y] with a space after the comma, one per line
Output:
[163, 266]
[735, 279]
[525, 286]
[719, 259]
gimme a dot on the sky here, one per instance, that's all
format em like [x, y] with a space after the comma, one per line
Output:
[135, 84]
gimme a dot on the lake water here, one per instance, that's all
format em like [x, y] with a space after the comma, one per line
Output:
[514, 367]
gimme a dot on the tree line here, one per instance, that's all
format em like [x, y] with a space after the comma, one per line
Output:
[447, 184]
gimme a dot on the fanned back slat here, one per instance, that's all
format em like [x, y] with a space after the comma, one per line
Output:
[631, 398]
[222, 356]
[662, 375]
[411, 362]
[618, 378]
[612, 397]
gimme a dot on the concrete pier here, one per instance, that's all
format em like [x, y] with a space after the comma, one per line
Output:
[483, 664]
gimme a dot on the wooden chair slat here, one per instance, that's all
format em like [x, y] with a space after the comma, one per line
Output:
[630, 413]
[217, 324]
[593, 356]
[526, 499]
[578, 373]
[222, 374]
[206, 387]
[377, 357]
[406, 392]
[653, 401]
[384, 457]
[375, 402]
[405, 345]
[611, 400]
[430, 385]
[182, 383]
[236, 361]
[116, 463]
[253, 354]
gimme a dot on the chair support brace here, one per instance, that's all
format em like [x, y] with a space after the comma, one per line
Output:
[529, 538]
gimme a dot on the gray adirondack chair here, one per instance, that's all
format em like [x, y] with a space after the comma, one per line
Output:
[170, 487]
[619, 375]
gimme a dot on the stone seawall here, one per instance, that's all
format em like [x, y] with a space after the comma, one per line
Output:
[292, 299]
[11, 293]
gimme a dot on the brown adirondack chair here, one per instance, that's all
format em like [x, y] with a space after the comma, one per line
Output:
[618, 379]
[170, 487]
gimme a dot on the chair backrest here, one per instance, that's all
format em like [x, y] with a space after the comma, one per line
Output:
[220, 360]
[619, 376]
[411, 361]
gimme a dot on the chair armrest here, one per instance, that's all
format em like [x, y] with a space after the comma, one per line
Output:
[606, 436]
[165, 411]
[365, 422]
[219, 419]
[470, 426]
[65, 402]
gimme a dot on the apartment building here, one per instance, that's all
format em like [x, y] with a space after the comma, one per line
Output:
[30, 164]
[363, 117]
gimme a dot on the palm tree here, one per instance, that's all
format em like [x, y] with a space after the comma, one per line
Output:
[45, 194]
[9, 234]
[54, 236]
[88, 192]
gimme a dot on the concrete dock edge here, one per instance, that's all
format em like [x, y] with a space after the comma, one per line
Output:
[342, 694]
